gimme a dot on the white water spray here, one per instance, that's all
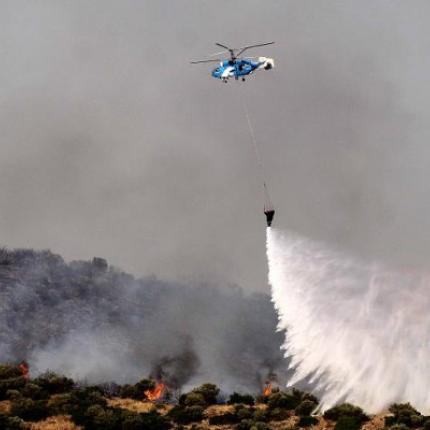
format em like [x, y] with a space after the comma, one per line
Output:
[359, 333]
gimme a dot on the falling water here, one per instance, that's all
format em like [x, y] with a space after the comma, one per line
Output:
[357, 332]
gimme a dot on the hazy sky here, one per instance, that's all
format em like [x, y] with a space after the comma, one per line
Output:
[113, 145]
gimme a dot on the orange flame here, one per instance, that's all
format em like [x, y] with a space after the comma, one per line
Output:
[24, 369]
[267, 390]
[156, 393]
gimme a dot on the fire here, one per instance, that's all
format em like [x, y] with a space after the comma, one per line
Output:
[157, 392]
[267, 390]
[24, 369]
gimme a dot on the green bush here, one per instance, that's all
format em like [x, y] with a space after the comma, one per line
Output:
[99, 418]
[399, 427]
[8, 371]
[224, 419]
[259, 415]
[186, 414]
[282, 400]
[14, 383]
[245, 424]
[30, 410]
[136, 391]
[12, 423]
[305, 408]
[60, 404]
[130, 392]
[194, 398]
[242, 412]
[404, 413]
[152, 421]
[209, 392]
[52, 383]
[347, 423]
[81, 400]
[277, 414]
[259, 426]
[303, 395]
[33, 391]
[346, 410]
[132, 422]
[307, 421]
[13, 394]
[245, 399]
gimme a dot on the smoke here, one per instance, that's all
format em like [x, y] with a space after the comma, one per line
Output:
[95, 323]
[358, 332]
[176, 370]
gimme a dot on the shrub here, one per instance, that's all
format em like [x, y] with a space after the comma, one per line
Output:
[136, 391]
[303, 395]
[224, 419]
[399, 427]
[13, 394]
[30, 410]
[132, 422]
[346, 410]
[81, 400]
[282, 400]
[144, 385]
[305, 408]
[277, 414]
[243, 412]
[347, 423]
[154, 421]
[186, 414]
[404, 413]
[130, 392]
[98, 418]
[209, 392]
[7, 371]
[307, 421]
[14, 383]
[194, 398]
[60, 404]
[260, 426]
[53, 383]
[246, 399]
[259, 415]
[12, 423]
[33, 391]
[245, 425]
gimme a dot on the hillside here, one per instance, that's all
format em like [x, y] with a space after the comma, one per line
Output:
[93, 322]
[53, 402]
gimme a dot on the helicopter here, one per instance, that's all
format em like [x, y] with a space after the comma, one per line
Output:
[236, 66]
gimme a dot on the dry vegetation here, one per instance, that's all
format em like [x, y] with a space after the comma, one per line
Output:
[5, 406]
[60, 422]
[139, 406]
[54, 402]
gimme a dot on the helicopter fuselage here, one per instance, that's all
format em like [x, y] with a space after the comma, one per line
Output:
[240, 68]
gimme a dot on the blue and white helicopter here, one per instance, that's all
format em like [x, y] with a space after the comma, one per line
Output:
[235, 66]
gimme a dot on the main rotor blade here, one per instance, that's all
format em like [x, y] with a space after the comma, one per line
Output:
[244, 48]
[217, 53]
[216, 60]
[223, 46]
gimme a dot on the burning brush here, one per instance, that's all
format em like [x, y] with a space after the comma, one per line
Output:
[23, 366]
[156, 393]
[270, 385]
[267, 389]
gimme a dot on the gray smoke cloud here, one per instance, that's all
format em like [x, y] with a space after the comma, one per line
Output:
[98, 324]
[114, 145]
